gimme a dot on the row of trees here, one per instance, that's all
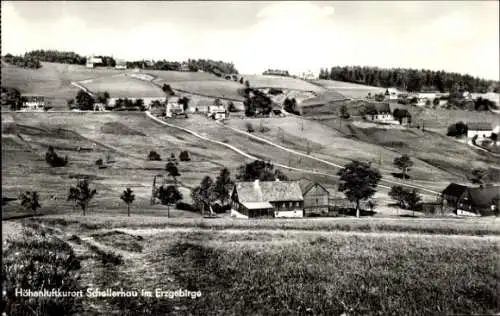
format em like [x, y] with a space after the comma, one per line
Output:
[55, 56]
[23, 61]
[206, 65]
[412, 80]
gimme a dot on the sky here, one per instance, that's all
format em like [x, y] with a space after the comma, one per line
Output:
[455, 36]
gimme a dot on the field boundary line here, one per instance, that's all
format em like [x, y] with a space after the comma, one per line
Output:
[319, 159]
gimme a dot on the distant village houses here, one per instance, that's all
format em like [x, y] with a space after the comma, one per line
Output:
[92, 61]
[217, 112]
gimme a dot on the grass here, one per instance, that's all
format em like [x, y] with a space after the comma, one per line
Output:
[53, 80]
[292, 267]
[333, 274]
[120, 240]
[124, 87]
[450, 226]
[437, 151]
[215, 88]
[261, 81]
[349, 90]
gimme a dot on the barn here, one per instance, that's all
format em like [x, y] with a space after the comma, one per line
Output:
[316, 197]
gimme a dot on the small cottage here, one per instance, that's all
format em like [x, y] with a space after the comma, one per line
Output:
[217, 112]
[267, 199]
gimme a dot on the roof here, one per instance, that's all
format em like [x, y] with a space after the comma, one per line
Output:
[483, 196]
[306, 185]
[268, 191]
[455, 190]
[257, 205]
[481, 126]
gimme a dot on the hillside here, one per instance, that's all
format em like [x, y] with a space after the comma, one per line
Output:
[53, 80]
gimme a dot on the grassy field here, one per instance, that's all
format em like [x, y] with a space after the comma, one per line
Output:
[214, 88]
[124, 87]
[178, 76]
[350, 90]
[436, 150]
[299, 272]
[127, 137]
[440, 119]
[261, 81]
[53, 80]
[336, 146]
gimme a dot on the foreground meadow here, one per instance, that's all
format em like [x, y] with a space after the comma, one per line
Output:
[259, 271]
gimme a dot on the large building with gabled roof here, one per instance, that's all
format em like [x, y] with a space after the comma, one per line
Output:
[267, 199]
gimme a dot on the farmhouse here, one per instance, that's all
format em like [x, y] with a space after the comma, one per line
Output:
[276, 72]
[121, 64]
[469, 201]
[316, 197]
[173, 107]
[381, 114]
[217, 112]
[267, 199]
[92, 61]
[32, 102]
[184, 67]
[481, 130]
[427, 95]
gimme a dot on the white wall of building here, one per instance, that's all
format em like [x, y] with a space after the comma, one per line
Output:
[289, 214]
[236, 214]
[480, 134]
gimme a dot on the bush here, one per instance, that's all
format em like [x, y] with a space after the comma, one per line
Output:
[457, 129]
[231, 107]
[249, 127]
[99, 162]
[54, 160]
[154, 156]
[184, 156]
[185, 207]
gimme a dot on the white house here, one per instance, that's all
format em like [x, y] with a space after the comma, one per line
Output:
[481, 130]
[173, 107]
[217, 112]
[91, 61]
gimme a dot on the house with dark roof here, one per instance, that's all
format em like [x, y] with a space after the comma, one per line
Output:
[477, 201]
[267, 199]
[481, 130]
[380, 113]
[316, 197]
